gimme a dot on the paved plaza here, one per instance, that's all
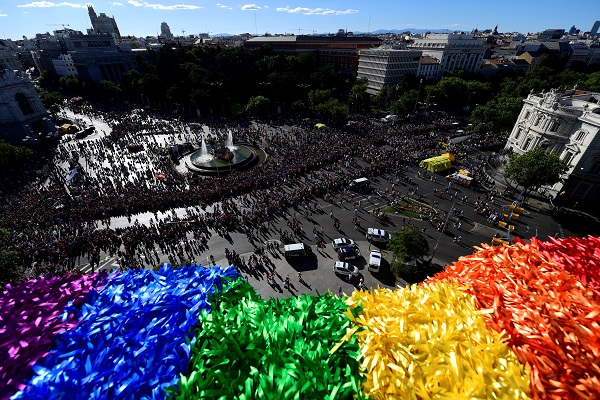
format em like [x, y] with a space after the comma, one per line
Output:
[326, 219]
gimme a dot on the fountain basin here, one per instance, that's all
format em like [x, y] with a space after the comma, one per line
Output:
[243, 157]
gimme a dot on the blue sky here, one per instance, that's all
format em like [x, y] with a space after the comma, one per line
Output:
[143, 17]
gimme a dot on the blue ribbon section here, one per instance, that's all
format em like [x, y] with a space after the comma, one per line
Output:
[134, 337]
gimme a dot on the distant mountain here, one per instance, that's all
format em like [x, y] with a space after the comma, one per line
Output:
[221, 34]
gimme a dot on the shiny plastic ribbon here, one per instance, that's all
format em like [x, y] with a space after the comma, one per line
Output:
[431, 342]
[550, 316]
[133, 339]
[247, 348]
[31, 314]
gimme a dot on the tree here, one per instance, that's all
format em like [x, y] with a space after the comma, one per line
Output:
[52, 101]
[535, 168]
[405, 104]
[360, 100]
[11, 155]
[408, 244]
[259, 106]
[496, 116]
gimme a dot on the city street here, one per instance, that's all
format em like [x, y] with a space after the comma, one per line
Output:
[317, 271]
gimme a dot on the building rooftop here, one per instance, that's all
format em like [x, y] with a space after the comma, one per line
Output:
[309, 38]
[429, 60]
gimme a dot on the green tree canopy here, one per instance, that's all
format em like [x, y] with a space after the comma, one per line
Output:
[535, 168]
[258, 106]
[496, 116]
[405, 104]
[10, 155]
[408, 244]
[52, 101]
[359, 99]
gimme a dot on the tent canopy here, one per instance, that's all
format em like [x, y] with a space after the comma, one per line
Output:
[436, 164]
[320, 125]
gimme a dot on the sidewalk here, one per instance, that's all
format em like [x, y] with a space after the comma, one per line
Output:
[501, 182]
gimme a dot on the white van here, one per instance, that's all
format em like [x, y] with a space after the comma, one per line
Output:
[375, 261]
[296, 250]
[360, 184]
[378, 235]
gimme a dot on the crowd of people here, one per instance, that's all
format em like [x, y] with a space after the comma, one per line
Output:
[65, 214]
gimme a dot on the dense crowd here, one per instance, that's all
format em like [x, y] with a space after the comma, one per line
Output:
[65, 214]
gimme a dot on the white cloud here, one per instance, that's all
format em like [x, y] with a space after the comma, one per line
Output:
[163, 7]
[46, 4]
[224, 6]
[117, 4]
[250, 7]
[453, 25]
[38, 4]
[3, 15]
[316, 11]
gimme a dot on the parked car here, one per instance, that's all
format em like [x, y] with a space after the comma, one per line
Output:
[346, 269]
[378, 235]
[348, 252]
[341, 242]
[374, 261]
[296, 250]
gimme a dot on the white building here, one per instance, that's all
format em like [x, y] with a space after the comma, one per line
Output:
[8, 55]
[64, 65]
[568, 124]
[386, 66]
[456, 51]
[429, 68]
[22, 114]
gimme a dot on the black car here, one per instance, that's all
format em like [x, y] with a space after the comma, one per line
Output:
[348, 253]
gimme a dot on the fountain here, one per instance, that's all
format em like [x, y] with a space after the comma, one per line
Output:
[229, 142]
[222, 158]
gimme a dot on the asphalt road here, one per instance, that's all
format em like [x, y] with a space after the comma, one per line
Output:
[317, 271]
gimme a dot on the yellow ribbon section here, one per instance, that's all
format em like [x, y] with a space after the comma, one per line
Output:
[431, 342]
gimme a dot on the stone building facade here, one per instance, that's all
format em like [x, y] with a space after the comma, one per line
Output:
[23, 118]
[568, 124]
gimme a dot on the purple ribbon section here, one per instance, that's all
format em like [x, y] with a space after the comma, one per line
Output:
[31, 314]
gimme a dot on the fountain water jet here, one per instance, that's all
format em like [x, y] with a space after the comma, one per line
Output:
[229, 142]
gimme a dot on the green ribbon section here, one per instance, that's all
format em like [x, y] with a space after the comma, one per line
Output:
[247, 348]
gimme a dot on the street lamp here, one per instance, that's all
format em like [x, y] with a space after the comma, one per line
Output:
[304, 87]
[418, 95]
[443, 229]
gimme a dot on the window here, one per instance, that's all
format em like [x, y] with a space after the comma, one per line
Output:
[580, 135]
[527, 143]
[537, 120]
[595, 168]
[24, 104]
[519, 131]
[554, 125]
[568, 157]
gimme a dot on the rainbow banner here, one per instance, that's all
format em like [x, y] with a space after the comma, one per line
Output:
[506, 322]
